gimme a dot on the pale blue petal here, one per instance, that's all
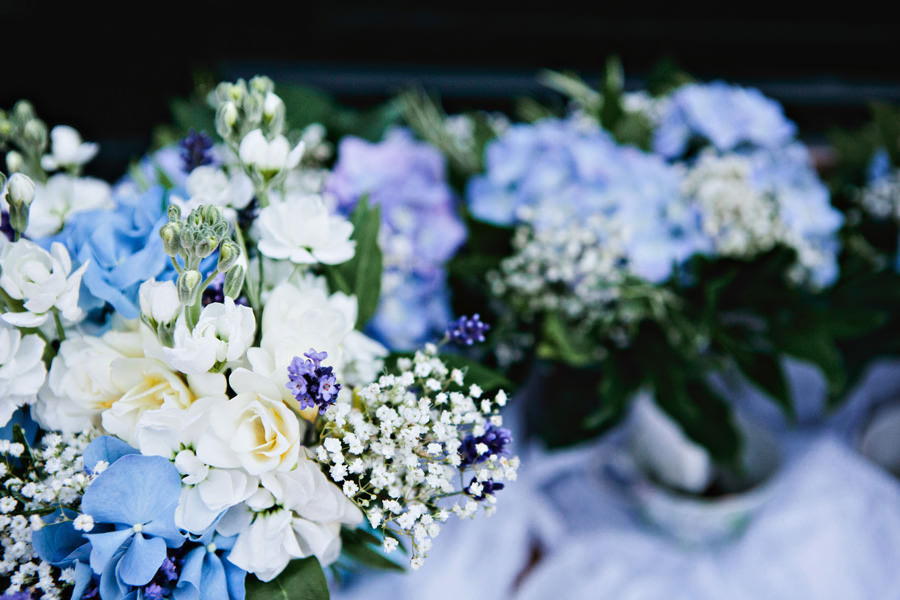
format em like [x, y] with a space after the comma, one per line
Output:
[106, 448]
[105, 545]
[58, 543]
[142, 560]
[134, 489]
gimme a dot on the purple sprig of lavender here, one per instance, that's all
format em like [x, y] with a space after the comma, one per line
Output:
[477, 449]
[311, 383]
[196, 151]
[467, 330]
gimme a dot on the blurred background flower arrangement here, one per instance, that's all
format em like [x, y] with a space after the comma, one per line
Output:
[282, 351]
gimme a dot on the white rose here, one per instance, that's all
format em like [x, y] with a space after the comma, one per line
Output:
[254, 430]
[60, 198]
[80, 385]
[67, 149]
[269, 157]
[145, 385]
[22, 369]
[166, 430]
[222, 334]
[159, 300]
[301, 230]
[42, 280]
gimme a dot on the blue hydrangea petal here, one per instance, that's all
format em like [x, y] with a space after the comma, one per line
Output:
[134, 489]
[83, 578]
[189, 581]
[236, 577]
[59, 543]
[142, 560]
[164, 527]
[214, 584]
[110, 585]
[104, 547]
[107, 448]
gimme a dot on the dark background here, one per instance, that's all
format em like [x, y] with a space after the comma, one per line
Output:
[111, 69]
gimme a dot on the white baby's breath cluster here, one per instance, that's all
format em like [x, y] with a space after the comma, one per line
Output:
[881, 197]
[395, 450]
[572, 269]
[54, 479]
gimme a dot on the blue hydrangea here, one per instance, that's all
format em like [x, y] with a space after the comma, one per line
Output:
[420, 229]
[728, 117]
[122, 247]
[554, 172]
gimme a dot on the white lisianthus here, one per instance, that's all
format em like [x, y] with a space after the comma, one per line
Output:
[301, 230]
[63, 196]
[297, 318]
[269, 157]
[159, 301]
[222, 334]
[255, 430]
[42, 280]
[80, 385]
[145, 385]
[22, 369]
[67, 149]
[211, 185]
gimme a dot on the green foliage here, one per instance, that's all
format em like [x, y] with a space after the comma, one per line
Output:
[361, 275]
[362, 547]
[302, 579]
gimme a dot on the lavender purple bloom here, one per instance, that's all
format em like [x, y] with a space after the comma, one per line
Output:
[496, 439]
[195, 151]
[311, 383]
[488, 488]
[467, 330]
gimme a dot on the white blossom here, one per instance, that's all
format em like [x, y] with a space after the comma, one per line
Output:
[301, 229]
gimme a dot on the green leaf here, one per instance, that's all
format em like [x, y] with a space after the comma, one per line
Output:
[764, 369]
[358, 545]
[361, 275]
[475, 372]
[559, 343]
[302, 579]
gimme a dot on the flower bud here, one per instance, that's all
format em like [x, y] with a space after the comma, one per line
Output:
[174, 212]
[159, 301]
[234, 282]
[262, 85]
[36, 134]
[229, 253]
[273, 113]
[211, 214]
[226, 118]
[171, 237]
[20, 190]
[205, 244]
[14, 161]
[187, 284]
[23, 111]
[253, 108]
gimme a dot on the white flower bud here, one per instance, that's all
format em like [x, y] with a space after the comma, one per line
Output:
[14, 161]
[20, 190]
[159, 301]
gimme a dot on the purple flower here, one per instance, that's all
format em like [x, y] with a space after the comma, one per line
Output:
[495, 441]
[466, 330]
[195, 151]
[488, 488]
[311, 383]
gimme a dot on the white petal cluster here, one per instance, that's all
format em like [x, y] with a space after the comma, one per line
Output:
[41, 280]
[63, 196]
[396, 452]
[221, 336]
[302, 230]
[55, 478]
[67, 150]
[22, 369]
[269, 157]
[207, 184]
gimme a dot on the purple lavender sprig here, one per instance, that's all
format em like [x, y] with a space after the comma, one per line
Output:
[195, 151]
[311, 383]
[467, 330]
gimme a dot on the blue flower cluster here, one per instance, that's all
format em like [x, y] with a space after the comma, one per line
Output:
[134, 550]
[467, 330]
[311, 383]
[561, 171]
[420, 229]
[728, 117]
[477, 449]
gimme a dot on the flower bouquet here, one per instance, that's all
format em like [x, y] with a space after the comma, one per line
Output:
[671, 244]
[189, 405]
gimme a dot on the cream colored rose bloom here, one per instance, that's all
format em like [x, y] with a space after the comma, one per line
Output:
[255, 430]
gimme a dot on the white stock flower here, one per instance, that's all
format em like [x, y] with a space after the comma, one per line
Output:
[222, 334]
[67, 149]
[159, 300]
[42, 280]
[207, 491]
[296, 319]
[269, 157]
[63, 196]
[211, 185]
[301, 230]
[254, 430]
[267, 545]
[79, 386]
[22, 369]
